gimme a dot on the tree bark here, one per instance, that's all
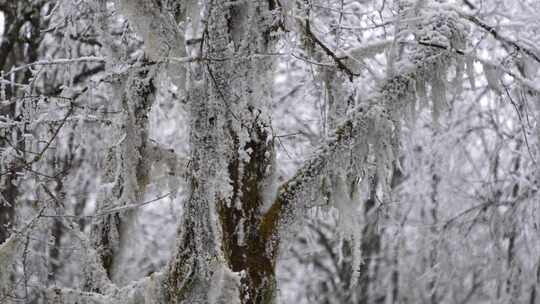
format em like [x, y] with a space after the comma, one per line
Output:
[127, 168]
[232, 158]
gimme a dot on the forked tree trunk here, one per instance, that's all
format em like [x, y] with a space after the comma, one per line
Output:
[128, 167]
[232, 159]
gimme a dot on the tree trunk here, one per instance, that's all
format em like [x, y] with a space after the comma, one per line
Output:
[232, 157]
[128, 166]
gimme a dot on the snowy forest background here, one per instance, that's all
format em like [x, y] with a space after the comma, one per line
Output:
[265, 151]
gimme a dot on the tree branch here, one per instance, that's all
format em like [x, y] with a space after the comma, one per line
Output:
[294, 195]
[148, 290]
[497, 35]
[307, 30]
[371, 127]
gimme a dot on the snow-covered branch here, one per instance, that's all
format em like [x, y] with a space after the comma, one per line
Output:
[127, 207]
[492, 30]
[357, 54]
[365, 127]
[371, 130]
[149, 290]
[502, 38]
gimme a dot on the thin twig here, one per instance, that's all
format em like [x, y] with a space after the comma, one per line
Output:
[89, 59]
[522, 125]
[326, 49]
[498, 36]
[111, 211]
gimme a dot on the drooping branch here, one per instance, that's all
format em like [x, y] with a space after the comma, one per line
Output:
[296, 194]
[370, 129]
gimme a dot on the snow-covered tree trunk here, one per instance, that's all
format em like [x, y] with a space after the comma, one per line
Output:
[127, 170]
[232, 159]
[10, 50]
[14, 51]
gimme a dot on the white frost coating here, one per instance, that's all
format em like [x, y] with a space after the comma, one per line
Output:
[469, 69]
[438, 91]
[346, 206]
[175, 166]
[7, 252]
[146, 291]
[369, 133]
[160, 33]
[529, 65]
[492, 76]
[269, 187]
[8, 155]
[225, 287]
[240, 232]
[357, 55]
[66, 296]
[194, 13]
[341, 185]
[369, 49]
[161, 36]
[438, 35]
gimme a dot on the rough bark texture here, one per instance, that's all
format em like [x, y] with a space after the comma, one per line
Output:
[12, 53]
[128, 167]
[232, 146]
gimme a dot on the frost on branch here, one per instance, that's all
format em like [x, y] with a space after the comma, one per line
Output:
[440, 39]
[364, 131]
[146, 291]
[231, 161]
[372, 130]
